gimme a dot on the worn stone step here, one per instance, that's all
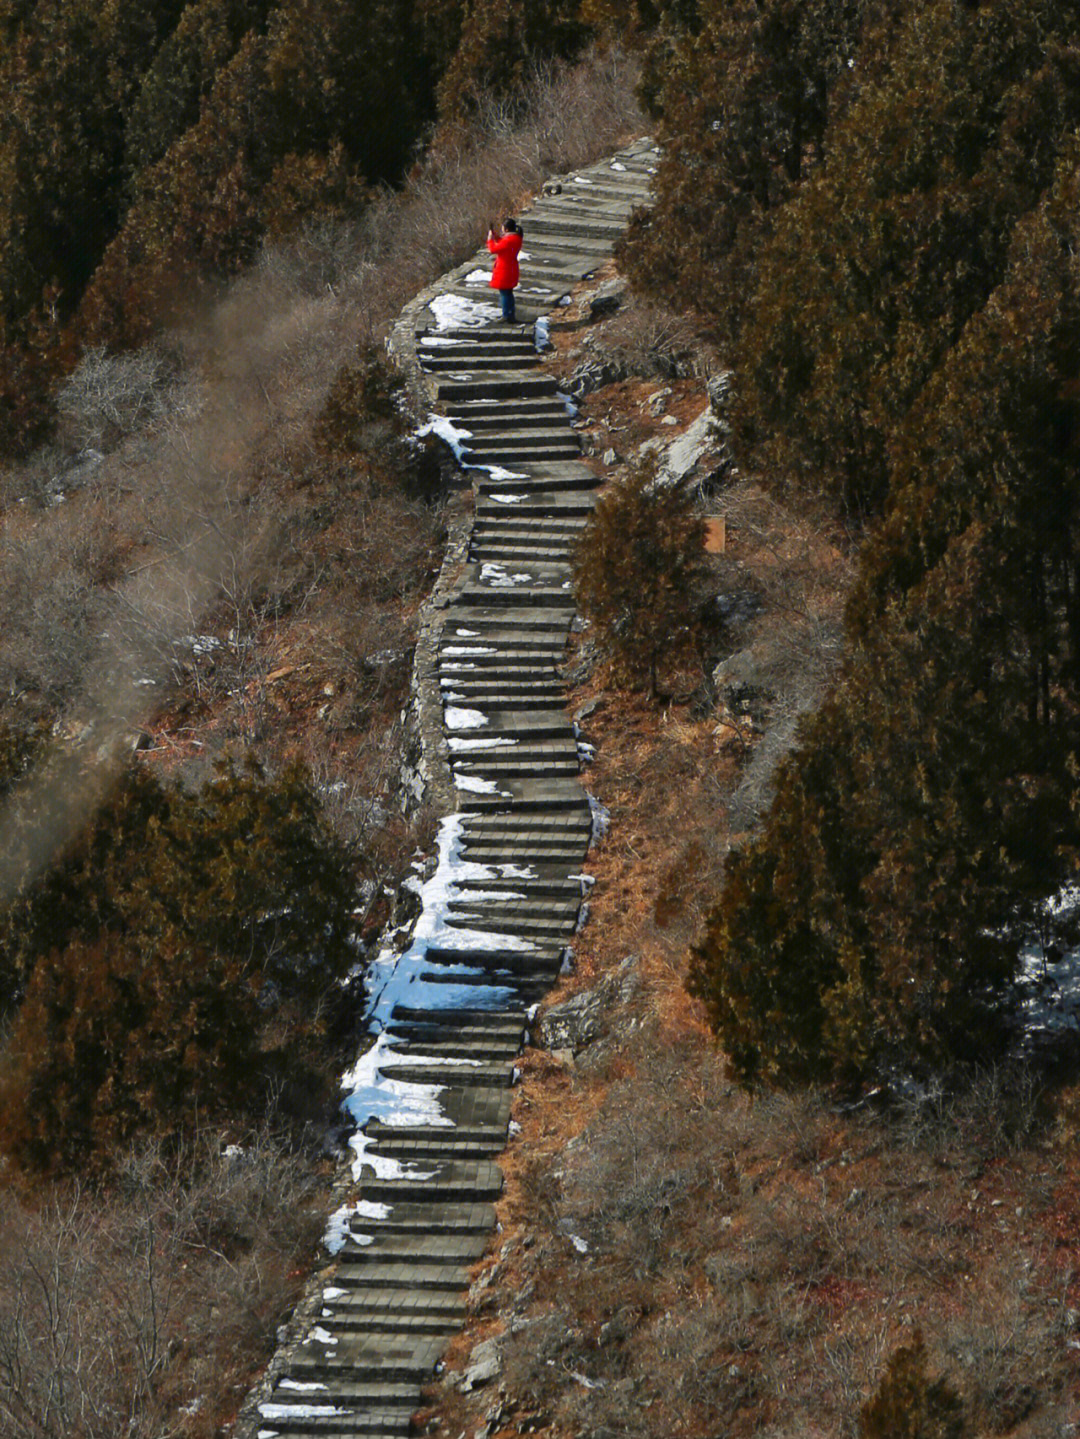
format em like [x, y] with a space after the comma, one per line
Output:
[509, 765]
[513, 596]
[465, 1036]
[496, 386]
[367, 1357]
[574, 504]
[435, 362]
[404, 1274]
[456, 1182]
[518, 553]
[374, 1395]
[306, 1423]
[379, 1321]
[431, 1249]
[405, 1217]
[512, 451]
[549, 415]
[461, 1014]
[540, 957]
[524, 988]
[489, 1047]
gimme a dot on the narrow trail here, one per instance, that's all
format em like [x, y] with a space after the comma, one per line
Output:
[497, 917]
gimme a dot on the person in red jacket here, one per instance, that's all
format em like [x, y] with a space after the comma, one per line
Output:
[504, 244]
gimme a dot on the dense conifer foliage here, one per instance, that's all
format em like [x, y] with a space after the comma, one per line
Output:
[911, 347]
[909, 1404]
[153, 958]
[145, 153]
[638, 570]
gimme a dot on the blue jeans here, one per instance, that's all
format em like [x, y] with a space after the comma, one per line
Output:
[507, 298]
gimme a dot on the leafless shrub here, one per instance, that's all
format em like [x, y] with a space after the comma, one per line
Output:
[108, 397]
[645, 338]
[992, 1112]
[112, 1310]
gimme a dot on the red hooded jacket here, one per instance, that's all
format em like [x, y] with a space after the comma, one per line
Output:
[505, 249]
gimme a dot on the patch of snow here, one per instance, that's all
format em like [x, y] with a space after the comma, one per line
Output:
[461, 745]
[499, 578]
[443, 342]
[506, 499]
[1048, 987]
[450, 311]
[581, 180]
[479, 277]
[458, 718]
[468, 650]
[473, 784]
[579, 1244]
[301, 1411]
[323, 1336]
[448, 432]
[498, 472]
[467, 634]
[542, 334]
[615, 165]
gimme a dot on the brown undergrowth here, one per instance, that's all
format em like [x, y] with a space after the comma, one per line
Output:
[678, 1257]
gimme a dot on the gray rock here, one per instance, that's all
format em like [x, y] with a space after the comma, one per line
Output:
[585, 1018]
[607, 299]
[485, 1364]
[609, 457]
[719, 392]
[656, 404]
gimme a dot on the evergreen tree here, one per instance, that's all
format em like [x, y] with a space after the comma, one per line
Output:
[909, 1404]
[638, 568]
[927, 814]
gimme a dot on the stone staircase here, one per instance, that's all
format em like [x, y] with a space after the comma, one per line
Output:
[498, 916]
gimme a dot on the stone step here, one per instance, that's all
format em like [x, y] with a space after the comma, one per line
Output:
[541, 956]
[483, 1075]
[378, 1396]
[486, 441]
[518, 830]
[526, 989]
[435, 362]
[496, 386]
[460, 1014]
[537, 418]
[431, 1218]
[380, 1321]
[508, 765]
[367, 1357]
[556, 526]
[573, 504]
[509, 701]
[433, 1249]
[454, 1038]
[516, 553]
[511, 724]
[307, 1423]
[513, 597]
[454, 1182]
[509, 452]
[486, 1047]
